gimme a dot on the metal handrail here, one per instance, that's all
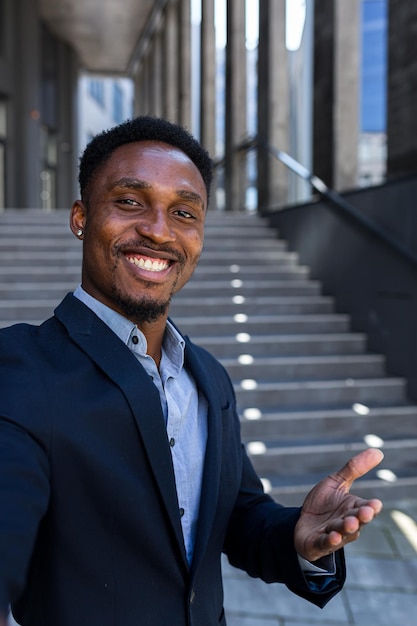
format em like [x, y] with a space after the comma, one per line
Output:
[329, 194]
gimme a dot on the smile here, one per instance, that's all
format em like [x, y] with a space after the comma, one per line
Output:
[152, 265]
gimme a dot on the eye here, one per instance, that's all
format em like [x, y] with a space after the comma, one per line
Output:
[129, 202]
[184, 213]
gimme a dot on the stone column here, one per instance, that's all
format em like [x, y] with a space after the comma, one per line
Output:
[336, 88]
[146, 81]
[171, 70]
[273, 104]
[184, 78]
[139, 102]
[235, 117]
[208, 78]
[157, 74]
[346, 100]
[402, 89]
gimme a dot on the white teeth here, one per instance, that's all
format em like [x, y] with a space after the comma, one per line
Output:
[152, 266]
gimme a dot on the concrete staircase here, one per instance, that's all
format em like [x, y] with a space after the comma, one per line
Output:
[309, 394]
[40, 261]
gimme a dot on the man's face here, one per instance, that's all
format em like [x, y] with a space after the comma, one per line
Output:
[143, 228]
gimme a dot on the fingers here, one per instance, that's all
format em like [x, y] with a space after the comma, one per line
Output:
[354, 519]
[358, 466]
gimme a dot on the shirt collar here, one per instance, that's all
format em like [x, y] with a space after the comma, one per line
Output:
[173, 342]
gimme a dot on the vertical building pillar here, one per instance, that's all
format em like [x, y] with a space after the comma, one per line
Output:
[402, 89]
[346, 109]
[336, 88]
[146, 81]
[208, 78]
[235, 115]
[171, 70]
[27, 113]
[157, 73]
[184, 77]
[139, 104]
[273, 104]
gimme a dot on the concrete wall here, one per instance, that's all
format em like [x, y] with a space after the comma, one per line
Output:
[402, 88]
[369, 280]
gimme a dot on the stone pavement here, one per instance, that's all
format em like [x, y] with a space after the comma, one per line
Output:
[380, 589]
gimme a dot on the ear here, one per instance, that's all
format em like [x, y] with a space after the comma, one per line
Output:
[78, 218]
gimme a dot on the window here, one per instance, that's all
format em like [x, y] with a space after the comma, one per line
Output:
[117, 104]
[96, 90]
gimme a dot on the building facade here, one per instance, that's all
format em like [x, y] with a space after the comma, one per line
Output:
[306, 103]
[38, 83]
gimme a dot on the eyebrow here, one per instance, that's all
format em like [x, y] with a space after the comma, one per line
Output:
[131, 183]
[191, 196]
[136, 184]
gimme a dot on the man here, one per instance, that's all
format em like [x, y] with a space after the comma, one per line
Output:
[122, 475]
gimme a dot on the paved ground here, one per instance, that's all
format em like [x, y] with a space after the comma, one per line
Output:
[380, 590]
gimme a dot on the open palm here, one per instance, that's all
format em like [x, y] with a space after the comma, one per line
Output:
[331, 516]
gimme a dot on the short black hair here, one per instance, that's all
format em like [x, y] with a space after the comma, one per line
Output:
[142, 128]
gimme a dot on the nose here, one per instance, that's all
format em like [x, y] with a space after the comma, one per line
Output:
[155, 225]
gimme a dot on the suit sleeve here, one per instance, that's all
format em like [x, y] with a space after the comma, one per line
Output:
[260, 539]
[24, 472]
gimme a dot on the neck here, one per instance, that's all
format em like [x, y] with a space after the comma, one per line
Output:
[154, 334]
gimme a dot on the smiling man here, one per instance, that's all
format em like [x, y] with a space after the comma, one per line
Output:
[122, 474]
[142, 222]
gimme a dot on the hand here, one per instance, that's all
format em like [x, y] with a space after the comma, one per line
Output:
[331, 517]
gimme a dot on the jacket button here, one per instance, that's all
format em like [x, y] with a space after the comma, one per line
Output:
[192, 596]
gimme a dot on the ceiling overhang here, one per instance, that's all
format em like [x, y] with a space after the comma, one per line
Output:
[104, 33]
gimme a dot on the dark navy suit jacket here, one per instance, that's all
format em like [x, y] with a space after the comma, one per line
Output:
[90, 532]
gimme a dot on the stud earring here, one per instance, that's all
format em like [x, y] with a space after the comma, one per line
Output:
[80, 232]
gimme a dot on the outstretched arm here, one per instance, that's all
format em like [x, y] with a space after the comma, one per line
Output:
[331, 516]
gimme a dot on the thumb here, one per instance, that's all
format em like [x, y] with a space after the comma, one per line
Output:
[358, 466]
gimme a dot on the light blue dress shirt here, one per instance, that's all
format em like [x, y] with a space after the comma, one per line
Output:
[185, 412]
[184, 408]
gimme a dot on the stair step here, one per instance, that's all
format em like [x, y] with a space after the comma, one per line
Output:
[320, 393]
[284, 345]
[264, 324]
[306, 367]
[249, 272]
[13, 311]
[241, 257]
[359, 420]
[324, 458]
[184, 305]
[292, 493]
[26, 257]
[253, 288]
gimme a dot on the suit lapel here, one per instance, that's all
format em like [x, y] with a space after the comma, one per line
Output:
[121, 366]
[213, 457]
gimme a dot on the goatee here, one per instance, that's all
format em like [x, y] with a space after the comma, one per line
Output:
[140, 312]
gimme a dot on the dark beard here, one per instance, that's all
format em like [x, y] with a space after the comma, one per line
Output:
[140, 312]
